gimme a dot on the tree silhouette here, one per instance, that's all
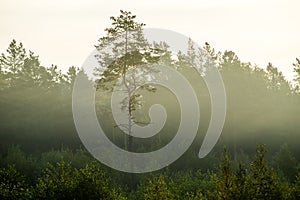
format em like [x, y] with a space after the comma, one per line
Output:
[276, 80]
[128, 59]
[297, 75]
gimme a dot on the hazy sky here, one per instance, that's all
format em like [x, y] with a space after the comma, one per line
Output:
[64, 32]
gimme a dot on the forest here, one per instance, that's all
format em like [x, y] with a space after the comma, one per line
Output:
[42, 156]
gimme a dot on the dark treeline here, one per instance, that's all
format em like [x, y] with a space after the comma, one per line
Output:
[38, 139]
[35, 103]
[64, 174]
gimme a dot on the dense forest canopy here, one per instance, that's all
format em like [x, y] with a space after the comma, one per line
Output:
[38, 137]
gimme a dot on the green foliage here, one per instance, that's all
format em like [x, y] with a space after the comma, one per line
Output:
[54, 156]
[12, 185]
[195, 196]
[296, 189]
[277, 80]
[78, 159]
[36, 113]
[92, 182]
[189, 183]
[35, 102]
[297, 75]
[25, 164]
[158, 188]
[125, 53]
[225, 182]
[56, 183]
[263, 182]
[286, 163]
[13, 63]
[132, 52]
[89, 180]
[61, 182]
[36, 105]
[241, 177]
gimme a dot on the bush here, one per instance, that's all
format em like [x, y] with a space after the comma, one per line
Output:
[13, 184]
[157, 188]
[263, 182]
[61, 182]
[56, 183]
[93, 183]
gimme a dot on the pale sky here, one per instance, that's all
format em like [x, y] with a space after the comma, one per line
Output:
[64, 32]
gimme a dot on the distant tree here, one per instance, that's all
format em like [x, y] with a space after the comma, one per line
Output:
[130, 51]
[53, 157]
[12, 63]
[71, 74]
[233, 72]
[128, 60]
[193, 58]
[286, 163]
[230, 59]
[191, 51]
[297, 75]
[2, 79]
[23, 163]
[277, 81]
[165, 54]
[215, 56]
[31, 71]
[55, 77]
[20, 70]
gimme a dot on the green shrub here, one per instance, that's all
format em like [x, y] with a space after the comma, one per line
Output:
[12, 185]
